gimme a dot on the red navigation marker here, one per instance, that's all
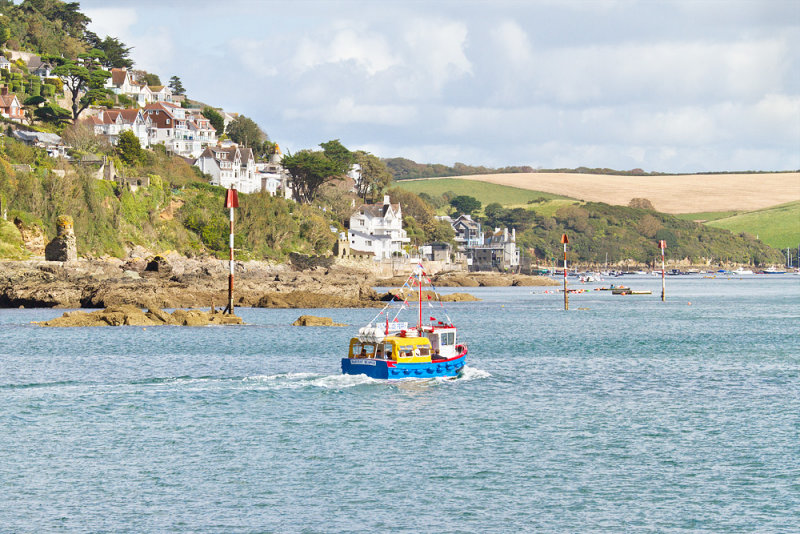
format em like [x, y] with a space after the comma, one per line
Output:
[232, 199]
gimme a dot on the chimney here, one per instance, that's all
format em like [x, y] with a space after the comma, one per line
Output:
[514, 235]
[386, 200]
[505, 234]
[4, 90]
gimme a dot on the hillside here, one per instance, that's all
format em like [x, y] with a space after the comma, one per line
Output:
[778, 226]
[177, 210]
[669, 194]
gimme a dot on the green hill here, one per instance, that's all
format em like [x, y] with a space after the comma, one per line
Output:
[485, 192]
[779, 226]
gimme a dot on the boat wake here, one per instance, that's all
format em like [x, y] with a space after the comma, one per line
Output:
[304, 380]
[471, 373]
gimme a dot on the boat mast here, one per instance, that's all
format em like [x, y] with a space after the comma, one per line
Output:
[419, 281]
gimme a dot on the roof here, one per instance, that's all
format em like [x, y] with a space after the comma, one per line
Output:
[118, 76]
[378, 210]
[7, 100]
[41, 137]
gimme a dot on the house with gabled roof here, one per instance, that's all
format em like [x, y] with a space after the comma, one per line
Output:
[378, 228]
[5, 64]
[230, 167]
[122, 82]
[468, 231]
[183, 132]
[40, 68]
[112, 122]
[161, 93]
[10, 106]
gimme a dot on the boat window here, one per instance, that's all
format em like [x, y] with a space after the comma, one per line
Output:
[448, 338]
[387, 348]
[424, 351]
[356, 348]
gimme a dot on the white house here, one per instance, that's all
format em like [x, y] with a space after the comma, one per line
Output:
[112, 122]
[40, 68]
[378, 228]
[230, 167]
[5, 64]
[181, 131]
[122, 82]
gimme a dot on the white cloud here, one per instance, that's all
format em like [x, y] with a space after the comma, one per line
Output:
[153, 50]
[113, 21]
[347, 111]
[369, 51]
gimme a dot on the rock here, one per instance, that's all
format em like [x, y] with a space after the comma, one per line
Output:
[64, 246]
[459, 297]
[311, 320]
[126, 315]
[159, 265]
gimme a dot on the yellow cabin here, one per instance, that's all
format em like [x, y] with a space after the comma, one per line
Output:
[399, 349]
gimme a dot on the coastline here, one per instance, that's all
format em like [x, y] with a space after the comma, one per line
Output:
[178, 282]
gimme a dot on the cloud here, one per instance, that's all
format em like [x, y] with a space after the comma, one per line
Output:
[347, 111]
[153, 49]
[367, 50]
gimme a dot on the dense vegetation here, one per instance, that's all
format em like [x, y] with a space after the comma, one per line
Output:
[177, 211]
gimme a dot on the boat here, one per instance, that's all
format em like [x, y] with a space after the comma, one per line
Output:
[773, 270]
[629, 291]
[389, 349]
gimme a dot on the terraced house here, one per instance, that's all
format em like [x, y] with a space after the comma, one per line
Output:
[183, 132]
[112, 122]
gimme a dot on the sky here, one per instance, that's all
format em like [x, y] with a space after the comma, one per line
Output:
[669, 86]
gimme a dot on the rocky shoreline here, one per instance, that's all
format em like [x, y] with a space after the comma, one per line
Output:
[173, 281]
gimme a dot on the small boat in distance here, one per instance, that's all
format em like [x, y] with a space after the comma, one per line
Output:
[390, 349]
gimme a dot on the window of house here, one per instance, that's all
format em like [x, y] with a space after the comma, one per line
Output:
[369, 243]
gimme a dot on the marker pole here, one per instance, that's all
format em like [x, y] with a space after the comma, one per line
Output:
[566, 295]
[230, 276]
[663, 245]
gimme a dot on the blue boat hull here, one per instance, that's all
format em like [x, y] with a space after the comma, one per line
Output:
[381, 369]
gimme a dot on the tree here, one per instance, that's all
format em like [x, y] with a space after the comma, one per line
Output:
[310, 170]
[375, 177]
[336, 151]
[117, 55]
[216, 119]
[129, 148]
[53, 114]
[85, 80]
[81, 137]
[641, 203]
[176, 86]
[465, 204]
[246, 132]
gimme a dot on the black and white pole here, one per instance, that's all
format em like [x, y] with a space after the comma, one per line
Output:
[662, 245]
[565, 241]
[231, 201]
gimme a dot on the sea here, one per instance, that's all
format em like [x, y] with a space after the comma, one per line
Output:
[623, 414]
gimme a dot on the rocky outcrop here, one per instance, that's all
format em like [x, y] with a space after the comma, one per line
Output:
[127, 315]
[65, 246]
[477, 280]
[179, 282]
[311, 320]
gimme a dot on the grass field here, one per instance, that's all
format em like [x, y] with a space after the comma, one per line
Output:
[706, 216]
[486, 192]
[669, 194]
[778, 226]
